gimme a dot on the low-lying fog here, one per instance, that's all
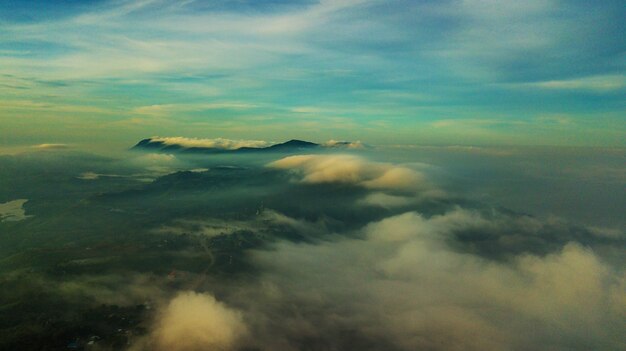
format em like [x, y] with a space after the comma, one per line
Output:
[340, 248]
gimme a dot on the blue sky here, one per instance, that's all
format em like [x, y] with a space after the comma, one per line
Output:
[384, 72]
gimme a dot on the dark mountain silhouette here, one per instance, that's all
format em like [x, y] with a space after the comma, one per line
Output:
[293, 145]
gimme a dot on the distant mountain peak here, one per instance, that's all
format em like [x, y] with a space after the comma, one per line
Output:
[212, 146]
[220, 145]
[295, 143]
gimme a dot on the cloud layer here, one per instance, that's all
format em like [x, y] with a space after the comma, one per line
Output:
[306, 253]
[404, 287]
[411, 281]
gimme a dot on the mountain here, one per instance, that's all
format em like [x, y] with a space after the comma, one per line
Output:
[293, 144]
[219, 146]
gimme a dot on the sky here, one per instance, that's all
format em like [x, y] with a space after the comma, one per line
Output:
[105, 74]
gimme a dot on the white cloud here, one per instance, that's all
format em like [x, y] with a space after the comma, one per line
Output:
[263, 222]
[218, 143]
[89, 176]
[194, 322]
[51, 146]
[207, 227]
[94, 176]
[593, 83]
[354, 170]
[612, 233]
[13, 211]
[405, 285]
[154, 164]
[386, 200]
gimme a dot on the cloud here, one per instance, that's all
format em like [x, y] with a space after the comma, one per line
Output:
[385, 200]
[206, 227]
[128, 288]
[51, 146]
[94, 176]
[145, 166]
[233, 51]
[13, 211]
[193, 322]
[170, 109]
[155, 158]
[89, 176]
[433, 275]
[265, 222]
[404, 287]
[218, 143]
[593, 83]
[612, 233]
[51, 107]
[353, 170]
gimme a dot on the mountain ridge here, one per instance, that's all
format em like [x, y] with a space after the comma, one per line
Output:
[154, 144]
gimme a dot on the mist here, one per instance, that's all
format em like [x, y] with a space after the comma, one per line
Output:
[334, 249]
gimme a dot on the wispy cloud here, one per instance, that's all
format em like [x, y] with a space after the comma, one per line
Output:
[593, 83]
[51, 146]
[169, 109]
[31, 105]
[360, 60]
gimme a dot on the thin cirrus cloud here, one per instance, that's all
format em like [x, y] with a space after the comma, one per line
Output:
[593, 83]
[169, 109]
